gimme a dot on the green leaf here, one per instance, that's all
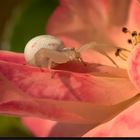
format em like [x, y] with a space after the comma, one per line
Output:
[12, 127]
[31, 22]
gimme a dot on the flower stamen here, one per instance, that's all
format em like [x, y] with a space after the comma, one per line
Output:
[135, 37]
[120, 54]
[134, 40]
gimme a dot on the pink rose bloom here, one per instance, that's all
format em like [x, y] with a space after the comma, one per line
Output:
[93, 100]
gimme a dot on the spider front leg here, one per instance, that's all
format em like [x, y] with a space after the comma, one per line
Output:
[50, 65]
[41, 69]
[81, 60]
[78, 56]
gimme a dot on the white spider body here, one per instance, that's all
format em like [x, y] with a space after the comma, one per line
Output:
[47, 51]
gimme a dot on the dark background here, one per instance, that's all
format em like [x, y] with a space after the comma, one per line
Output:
[20, 20]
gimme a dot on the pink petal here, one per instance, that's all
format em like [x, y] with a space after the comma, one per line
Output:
[70, 20]
[18, 97]
[100, 89]
[126, 124]
[121, 10]
[12, 57]
[43, 128]
[54, 129]
[38, 97]
[134, 68]
[92, 23]
[134, 19]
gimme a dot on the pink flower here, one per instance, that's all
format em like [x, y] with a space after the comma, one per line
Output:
[79, 98]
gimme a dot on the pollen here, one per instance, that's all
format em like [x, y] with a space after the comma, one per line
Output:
[134, 33]
[134, 40]
[134, 36]
[129, 41]
[124, 29]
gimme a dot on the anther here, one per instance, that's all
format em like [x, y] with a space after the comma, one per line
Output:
[124, 29]
[117, 52]
[120, 54]
[129, 41]
[134, 33]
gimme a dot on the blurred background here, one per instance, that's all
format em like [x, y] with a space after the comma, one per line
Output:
[20, 20]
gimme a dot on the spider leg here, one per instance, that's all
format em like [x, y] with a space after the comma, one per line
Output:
[50, 63]
[81, 60]
[41, 69]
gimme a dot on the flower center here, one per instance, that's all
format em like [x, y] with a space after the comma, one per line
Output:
[118, 56]
[134, 40]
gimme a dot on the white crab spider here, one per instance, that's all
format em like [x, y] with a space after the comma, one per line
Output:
[48, 51]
